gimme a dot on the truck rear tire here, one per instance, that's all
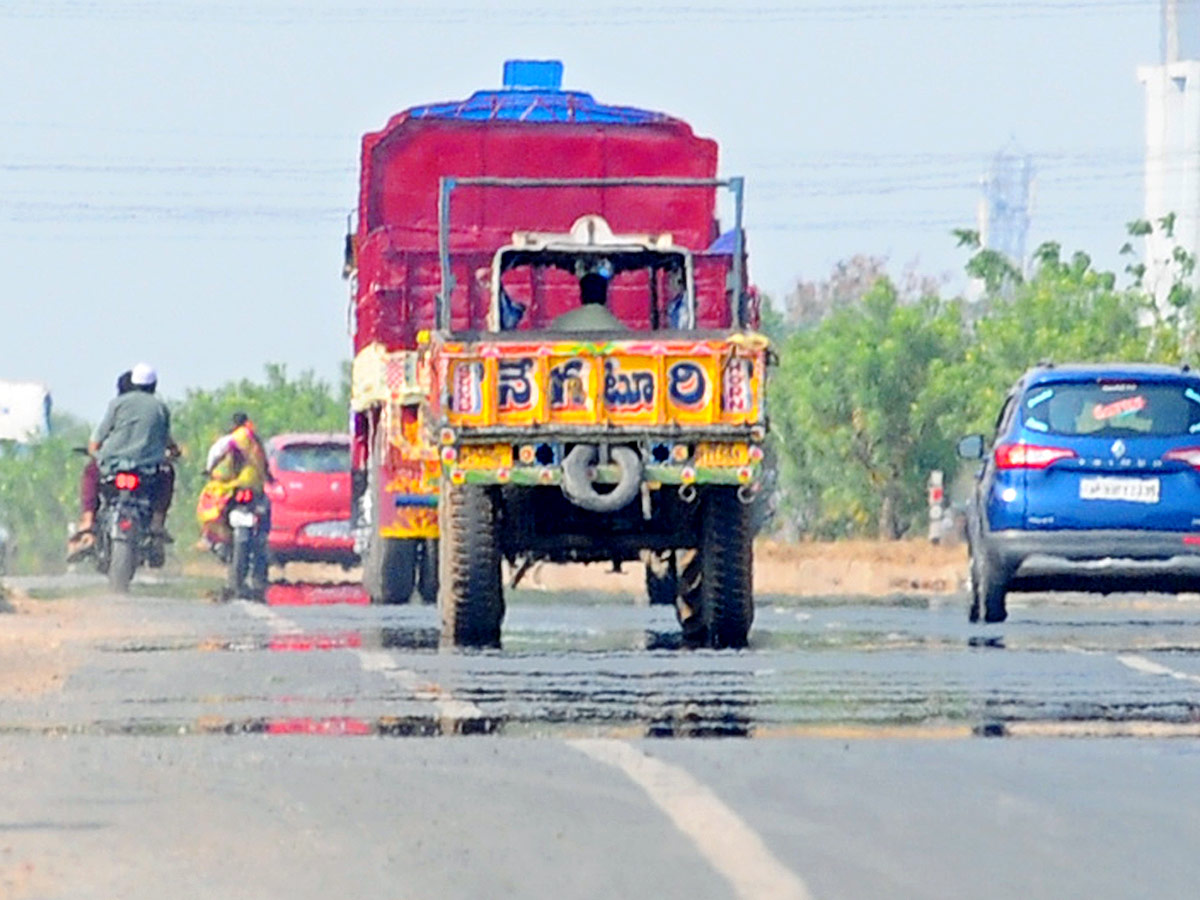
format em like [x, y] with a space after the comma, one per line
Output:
[427, 571]
[662, 586]
[389, 571]
[470, 590]
[726, 596]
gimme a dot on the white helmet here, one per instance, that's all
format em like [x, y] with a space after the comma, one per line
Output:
[143, 375]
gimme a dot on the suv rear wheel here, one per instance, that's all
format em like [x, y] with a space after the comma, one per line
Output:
[989, 588]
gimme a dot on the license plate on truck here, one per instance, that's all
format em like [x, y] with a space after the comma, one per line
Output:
[713, 454]
[1131, 490]
[485, 456]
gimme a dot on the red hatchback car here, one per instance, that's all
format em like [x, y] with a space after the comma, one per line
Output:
[310, 499]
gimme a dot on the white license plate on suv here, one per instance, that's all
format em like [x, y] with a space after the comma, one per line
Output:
[1132, 490]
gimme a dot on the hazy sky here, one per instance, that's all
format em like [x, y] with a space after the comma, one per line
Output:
[175, 175]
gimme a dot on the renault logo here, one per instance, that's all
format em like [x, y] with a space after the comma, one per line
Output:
[1118, 448]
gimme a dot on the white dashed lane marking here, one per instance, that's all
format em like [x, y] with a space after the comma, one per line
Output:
[449, 709]
[723, 838]
[1149, 667]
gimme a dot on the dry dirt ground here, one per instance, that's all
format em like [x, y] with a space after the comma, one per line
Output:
[39, 639]
[818, 569]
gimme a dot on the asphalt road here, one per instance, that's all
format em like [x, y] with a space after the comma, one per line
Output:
[857, 750]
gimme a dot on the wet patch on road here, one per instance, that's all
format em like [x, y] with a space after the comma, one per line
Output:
[305, 594]
[329, 665]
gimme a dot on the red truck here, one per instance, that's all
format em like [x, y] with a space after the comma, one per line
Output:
[481, 430]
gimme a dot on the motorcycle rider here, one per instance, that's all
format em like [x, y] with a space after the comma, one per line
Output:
[135, 435]
[236, 460]
[83, 539]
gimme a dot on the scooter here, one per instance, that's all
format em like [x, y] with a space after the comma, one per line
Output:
[248, 515]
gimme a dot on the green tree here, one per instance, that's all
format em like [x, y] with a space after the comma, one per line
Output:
[39, 494]
[1066, 311]
[1170, 290]
[39, 483]
[275, 405]
[857, 418]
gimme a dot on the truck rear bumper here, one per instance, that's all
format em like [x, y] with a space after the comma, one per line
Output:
[548, 476]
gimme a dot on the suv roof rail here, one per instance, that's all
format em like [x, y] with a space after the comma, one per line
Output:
[1045, 363]
[1185, 367]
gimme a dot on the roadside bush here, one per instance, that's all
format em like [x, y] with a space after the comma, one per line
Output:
[276, 404]
[39, 495]
[39, 483]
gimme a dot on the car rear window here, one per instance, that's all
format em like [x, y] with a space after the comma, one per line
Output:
[313, 458]
[1113, 407]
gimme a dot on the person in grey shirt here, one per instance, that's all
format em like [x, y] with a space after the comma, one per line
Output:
[592, 314]
[135, 434]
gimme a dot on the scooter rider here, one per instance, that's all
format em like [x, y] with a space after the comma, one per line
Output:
[135, 435]
[237, 459]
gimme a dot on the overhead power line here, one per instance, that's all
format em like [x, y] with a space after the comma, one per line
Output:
[290, 12]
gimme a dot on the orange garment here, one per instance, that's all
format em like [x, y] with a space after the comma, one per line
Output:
[241, 463]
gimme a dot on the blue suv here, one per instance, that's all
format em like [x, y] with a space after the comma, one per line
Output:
[1092, 482]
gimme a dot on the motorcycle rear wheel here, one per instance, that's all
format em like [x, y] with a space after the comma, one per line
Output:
[122, 562]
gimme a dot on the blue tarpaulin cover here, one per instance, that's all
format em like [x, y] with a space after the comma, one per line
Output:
[532, 94]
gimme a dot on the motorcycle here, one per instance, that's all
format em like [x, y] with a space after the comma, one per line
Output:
[124, 539]
[248, 515]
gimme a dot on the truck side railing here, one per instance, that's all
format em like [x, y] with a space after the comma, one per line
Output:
[448, 184]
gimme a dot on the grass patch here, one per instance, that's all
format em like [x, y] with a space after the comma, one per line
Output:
[176, 588]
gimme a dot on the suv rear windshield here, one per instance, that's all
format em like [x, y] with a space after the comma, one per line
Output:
[1112, 408]
[328, 458]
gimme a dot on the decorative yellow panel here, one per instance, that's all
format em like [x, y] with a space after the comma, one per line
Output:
[691, 389]
[519, 392]
[468, 400]
[573, 384]
[740, 382]
[632, 391]
[632, 383]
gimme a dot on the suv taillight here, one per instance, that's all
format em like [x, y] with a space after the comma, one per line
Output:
[1029, 456]
[1189, 455]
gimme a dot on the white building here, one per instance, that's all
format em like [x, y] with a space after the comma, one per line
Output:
[1173, 141]
[24, 411]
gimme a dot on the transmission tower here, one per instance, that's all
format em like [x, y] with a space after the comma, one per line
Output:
[1007, 204]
